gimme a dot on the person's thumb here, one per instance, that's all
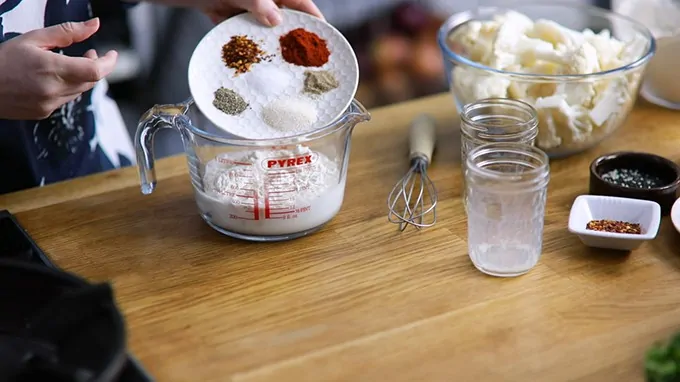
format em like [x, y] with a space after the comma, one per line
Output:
[63, 35]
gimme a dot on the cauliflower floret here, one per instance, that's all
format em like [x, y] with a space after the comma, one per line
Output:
[580, 94]
[544, 67]
[542, 89]
[505, 47]
[609, 101]
[547, 137]
[489, 30]
[471, 85]
[555, 34]
[608, 48]
[519, 20]
[575, 123]
[467, 35]
[475, 40]
[529, 49]
[517, 89]
[633, 50]
[572, 123]
[581, 60]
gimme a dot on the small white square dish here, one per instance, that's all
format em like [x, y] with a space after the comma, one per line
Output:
[587, 208]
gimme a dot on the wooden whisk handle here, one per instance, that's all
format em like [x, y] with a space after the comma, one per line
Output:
[422, 137]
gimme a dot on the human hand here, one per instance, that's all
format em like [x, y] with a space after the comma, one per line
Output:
[35, 81]
[266, 11]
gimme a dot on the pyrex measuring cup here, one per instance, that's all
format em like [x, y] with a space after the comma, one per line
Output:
[256, 189]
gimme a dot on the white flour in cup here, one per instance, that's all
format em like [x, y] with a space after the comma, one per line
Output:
[270, 193]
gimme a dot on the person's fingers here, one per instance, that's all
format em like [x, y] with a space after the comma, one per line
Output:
[265, 11]
[77, 89]
[91, 54]
[306, 6]
[63, 35]
[84, 69]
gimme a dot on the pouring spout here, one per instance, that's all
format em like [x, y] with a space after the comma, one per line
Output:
[357, 113]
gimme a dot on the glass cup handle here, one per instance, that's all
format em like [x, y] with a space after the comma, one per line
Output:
[157, 118]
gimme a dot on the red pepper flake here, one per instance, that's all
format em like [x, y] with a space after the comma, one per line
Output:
[614, 226]
[303, 48]
[240, 53]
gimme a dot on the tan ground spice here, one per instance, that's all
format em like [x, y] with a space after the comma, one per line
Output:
[319, 82]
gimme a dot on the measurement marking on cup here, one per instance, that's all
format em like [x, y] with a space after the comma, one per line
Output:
[280, 194]
[232, 162]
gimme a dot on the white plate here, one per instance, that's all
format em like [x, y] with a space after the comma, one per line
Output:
[207, 73]
[594, 207]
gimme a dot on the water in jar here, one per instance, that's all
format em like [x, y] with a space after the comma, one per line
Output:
[506, 196]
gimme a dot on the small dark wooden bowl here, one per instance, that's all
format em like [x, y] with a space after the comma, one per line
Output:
[651, 164]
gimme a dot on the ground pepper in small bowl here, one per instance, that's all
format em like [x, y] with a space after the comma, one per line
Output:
[633, 178]
[614, 226]
[636, 175]
[304, 48]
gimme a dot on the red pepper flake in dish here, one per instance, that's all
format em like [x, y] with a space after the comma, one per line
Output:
[303, 48]
[240, 53]
[614, 226]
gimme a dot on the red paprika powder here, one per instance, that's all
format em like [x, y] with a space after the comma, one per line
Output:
[304, 48]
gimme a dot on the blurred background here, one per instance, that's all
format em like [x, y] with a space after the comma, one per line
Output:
[395, 42]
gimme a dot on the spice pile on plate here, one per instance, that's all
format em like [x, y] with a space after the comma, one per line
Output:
[614, 226]
[240, 53]
[298, 47]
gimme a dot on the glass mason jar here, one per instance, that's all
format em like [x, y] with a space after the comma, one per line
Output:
[495, 120]
[506, 194]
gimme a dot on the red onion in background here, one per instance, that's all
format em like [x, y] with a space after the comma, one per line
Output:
[391, 50]
[395, 85]
[426, 61]
[410, 17]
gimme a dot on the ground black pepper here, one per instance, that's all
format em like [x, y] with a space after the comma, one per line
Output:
[614, 226]
[632, 178]
[240, 53]
[229, 102]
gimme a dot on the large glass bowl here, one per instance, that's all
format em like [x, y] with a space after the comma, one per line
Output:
[558, 136]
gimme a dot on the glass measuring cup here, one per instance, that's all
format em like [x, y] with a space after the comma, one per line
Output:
[256, 189]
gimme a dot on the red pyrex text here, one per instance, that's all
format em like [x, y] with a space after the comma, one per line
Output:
[289, 162]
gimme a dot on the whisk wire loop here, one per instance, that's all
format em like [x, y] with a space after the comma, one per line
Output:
[414, 210]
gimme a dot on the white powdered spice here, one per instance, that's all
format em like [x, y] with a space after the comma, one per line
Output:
[294, 115]
[269, 79]
[267, 193]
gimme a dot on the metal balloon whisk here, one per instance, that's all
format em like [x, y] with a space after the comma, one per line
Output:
[413, 199]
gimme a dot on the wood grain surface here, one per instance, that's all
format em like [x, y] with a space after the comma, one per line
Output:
[361, 301]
